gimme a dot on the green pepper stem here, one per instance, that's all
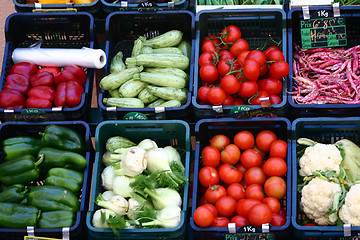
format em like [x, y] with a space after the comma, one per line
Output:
[40, 160]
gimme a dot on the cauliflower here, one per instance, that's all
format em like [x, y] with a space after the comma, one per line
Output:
[322, 157]
[317, 197]
[350, 211]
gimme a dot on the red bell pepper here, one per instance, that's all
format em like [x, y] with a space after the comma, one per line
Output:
[24, 68]
[10, 99]
[18, 83]
[71, 73]
[40, 97]
[68, 94]
[53, 70]
[42, 79]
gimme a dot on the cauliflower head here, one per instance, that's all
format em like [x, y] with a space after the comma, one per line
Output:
[322, 157]
[350, 211]
[316, 199]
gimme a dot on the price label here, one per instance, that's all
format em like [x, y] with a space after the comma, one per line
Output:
[32, 111]
[245, 111]
[135, 116]
[249, 233]
[39, 238]
[148, 4]
[323, 30]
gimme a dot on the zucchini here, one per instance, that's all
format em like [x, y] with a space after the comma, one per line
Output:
[146, 50]
[169, 93]
[146, 97]
[173, 71]
[117, 142]
[115, 80]
[168, 50]
[123, 102]
[161, 79]
[168, 39]
[156, 103]
[160, 60]
[171, 103]
[131, 88]
[117, 63]
[138, 45]
[185, 48]
[114, 93]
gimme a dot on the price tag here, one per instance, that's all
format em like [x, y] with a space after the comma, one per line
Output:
[39, 238]
[32, 111]
[245, 111]
[249, 233]
[135, 116]
[148, 4]
[323, 30]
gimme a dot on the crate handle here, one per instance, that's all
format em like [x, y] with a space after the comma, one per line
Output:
[66, 233]
[30, 231]
[336, 9]
[265, 228]
[306, 12]
[232, 227]
[347, 230]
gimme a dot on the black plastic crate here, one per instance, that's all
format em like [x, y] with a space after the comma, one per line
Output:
[93, 8]
[352, 20]
[325, 130]
[110, 6]
[56, 30]
[32, 129]
[205, 129]
[255, 25]
[123, 28]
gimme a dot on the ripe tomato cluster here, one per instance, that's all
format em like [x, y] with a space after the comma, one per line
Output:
[242, 181]
[232, 74]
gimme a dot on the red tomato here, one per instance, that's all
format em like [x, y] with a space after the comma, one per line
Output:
[241, 168]
[225, 54]
[207, 58]
[202, 93]
[241, 57]
[279, 69]
[240, 221]
[275, 187]
[274, 99]
[239, 46]
[212, 208]
[219, 141]
[220, 222]
[236, 190]
[282, 212]
[277, 220]
[208, 46]
[244, 140]
[226, 206]
[264, 139]
[248, 89]
[253, 191]
[266, 51]
[251, 158]
[270, 85]
[214, 38]
[275, 166]
[229, 100]
[208, 176]
[238, 101]
[224, 67]
[203, 217]
[256, 100]
[229, 174]
[230, 34]
[260, 214]
[278, 149]
[255, 175]
[231, 154]
[243, 206]
[213, 193]
[209, 73]
[256, 56]
[263, 154]
[210, 156]
[251, 70]
[216, 95]
[264, 69]
[230, 84]
[275, 55]
[273, 204]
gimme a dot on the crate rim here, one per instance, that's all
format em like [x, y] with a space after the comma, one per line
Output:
[61, 6]
[135, 6]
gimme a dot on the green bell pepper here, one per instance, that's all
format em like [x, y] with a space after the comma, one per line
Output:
[59, 158]
[19, 146]
[62, 138]
[22, 169]
[13, 215]
[50, 198]
[66, 178]
[13, 194]
[56, 219]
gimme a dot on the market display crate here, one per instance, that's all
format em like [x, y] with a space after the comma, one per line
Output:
[205, 130]
[122, 29]
[256, 26]
[55, 30]
[325, 130]
[175, 133]
[110, 6]
[92, 7]
[295, 16]
[32, 129]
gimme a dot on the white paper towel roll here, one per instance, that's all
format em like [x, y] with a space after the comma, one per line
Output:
[60, 57]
